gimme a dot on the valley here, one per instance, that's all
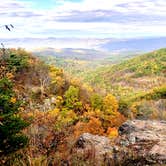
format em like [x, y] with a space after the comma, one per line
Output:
[129, 78]
[83, 83]
[60, 98]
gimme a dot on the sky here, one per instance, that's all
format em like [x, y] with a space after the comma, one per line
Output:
[83, 18]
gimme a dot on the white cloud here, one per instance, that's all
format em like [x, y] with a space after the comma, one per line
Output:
[140, 6]
[43, 23]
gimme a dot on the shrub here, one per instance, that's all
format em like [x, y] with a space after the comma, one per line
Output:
[124, 108]
[112, 132]
[94, 126]
[17, 62]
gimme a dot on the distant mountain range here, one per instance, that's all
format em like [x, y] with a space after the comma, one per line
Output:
[131, 45]
[72, 53]
[105, 45]
[33, 43]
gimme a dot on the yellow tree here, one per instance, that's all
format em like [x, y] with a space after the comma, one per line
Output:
[111, 116]
[110, 104]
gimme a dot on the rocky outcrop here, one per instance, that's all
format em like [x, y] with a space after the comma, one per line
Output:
[140, 142]
[146, 140]
[94, 147]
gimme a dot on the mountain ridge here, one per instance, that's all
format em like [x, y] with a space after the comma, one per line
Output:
[113, 45]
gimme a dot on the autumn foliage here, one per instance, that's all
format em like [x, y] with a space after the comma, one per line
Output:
[59, 109]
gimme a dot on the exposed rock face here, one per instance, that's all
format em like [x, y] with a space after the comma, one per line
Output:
[140, 143]
[147, 139]
[93, 147]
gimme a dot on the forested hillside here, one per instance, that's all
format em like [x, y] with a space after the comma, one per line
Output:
[44, 110]
[79, 61]
[57, 109]
[131, 81]
[149, 65]
[136, 80]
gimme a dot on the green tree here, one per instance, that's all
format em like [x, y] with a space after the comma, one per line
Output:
[72, 98]
[17, 60]
[96, 101]
[11, 124]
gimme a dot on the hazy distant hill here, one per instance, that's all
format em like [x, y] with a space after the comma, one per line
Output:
[70, 53]
[33, 43]
[137, 45]
[106, 44]
[77, 61]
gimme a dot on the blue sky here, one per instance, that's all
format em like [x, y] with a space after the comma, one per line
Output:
[83, 18]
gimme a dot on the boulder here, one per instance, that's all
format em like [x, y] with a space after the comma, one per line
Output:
[146, 139]
[140, 142]
[94, 147]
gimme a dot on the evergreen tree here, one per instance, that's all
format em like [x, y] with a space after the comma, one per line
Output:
[11, 124]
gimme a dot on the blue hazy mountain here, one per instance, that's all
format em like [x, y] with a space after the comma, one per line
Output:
[134, 45]
[72, 53]
[102, 46]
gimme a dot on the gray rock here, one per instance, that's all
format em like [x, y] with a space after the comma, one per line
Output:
[126, 128]
[147, 139]
[94, 147]
[141, 142]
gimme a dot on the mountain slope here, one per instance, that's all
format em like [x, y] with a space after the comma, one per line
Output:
[59, 108]
[138, 83]
[146, 70]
